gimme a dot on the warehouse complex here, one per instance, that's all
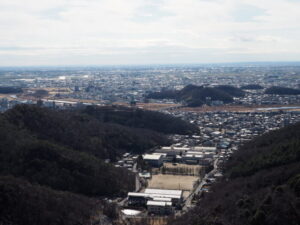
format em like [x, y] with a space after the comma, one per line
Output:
[157, 201]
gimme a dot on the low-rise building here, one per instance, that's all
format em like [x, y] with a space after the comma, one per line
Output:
[140, 199]
[160, 207]
[155, 160]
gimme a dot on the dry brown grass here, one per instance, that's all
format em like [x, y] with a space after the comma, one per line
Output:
[234, 108]
[174, 182]
[148, 221]
[182, 169]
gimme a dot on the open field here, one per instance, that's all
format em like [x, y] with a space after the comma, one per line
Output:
[148, 220]
[150, 106]
[156, 106]
[228, 108]
[164, 181]
[237, 108]
[9, 96]
[27, 92]
[50, 89]
[77, 100]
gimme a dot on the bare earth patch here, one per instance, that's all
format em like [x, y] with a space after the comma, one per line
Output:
[174, 182]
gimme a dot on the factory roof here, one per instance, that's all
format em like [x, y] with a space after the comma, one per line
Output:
[152, 157]
[204, 148]
[153, 195]
[163, 191]
[159, 203]
[163, 199]
[131, 212]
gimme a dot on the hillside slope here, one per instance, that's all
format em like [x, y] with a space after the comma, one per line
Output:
[137, 118]
[83, 132]
[10, 90]
[51, 162]
[276, 90]
[48, 163]
[261, 185]
[22, 203]
[252, 87]
[194, 96]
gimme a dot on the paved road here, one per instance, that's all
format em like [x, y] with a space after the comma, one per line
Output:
[188, 202]
[137, 184]
[137, 179]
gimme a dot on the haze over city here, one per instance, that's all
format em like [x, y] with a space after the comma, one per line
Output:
[106, 32]
[149, 112]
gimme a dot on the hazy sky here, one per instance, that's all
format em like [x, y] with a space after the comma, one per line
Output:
[98, 32]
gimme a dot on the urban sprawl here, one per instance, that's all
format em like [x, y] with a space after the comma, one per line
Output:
[169, 179]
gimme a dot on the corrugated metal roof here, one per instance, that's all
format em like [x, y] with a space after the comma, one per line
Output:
[158, 203]
[151, 157]
[163, 199]
[163, 191]
[147, 195]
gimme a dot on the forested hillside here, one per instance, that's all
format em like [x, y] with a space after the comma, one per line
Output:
[23, 154]
[83, 132]
[10, 90]
[194, 96]
[252, 87]
[27, 204]
[138, 118]
[232, 91]
[275, 90]
[261, 185]
[51, 161]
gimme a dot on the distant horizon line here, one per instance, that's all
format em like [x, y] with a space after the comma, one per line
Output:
[154, 64]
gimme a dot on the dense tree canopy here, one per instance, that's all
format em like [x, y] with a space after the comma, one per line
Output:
[10, 90]
[58, 166]
[22, 203]
[83, 132]
[252, 87]
[138, 118]
[50, 159]
[195, 96]
[275, 90]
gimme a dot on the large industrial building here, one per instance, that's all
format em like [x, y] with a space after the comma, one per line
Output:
[160, 207]
[198, 155]
[157, 201]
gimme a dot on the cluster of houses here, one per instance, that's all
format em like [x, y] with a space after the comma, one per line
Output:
[198, 155]
[127, 84]
[258, 97]
[227, 130]
[128, 161]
